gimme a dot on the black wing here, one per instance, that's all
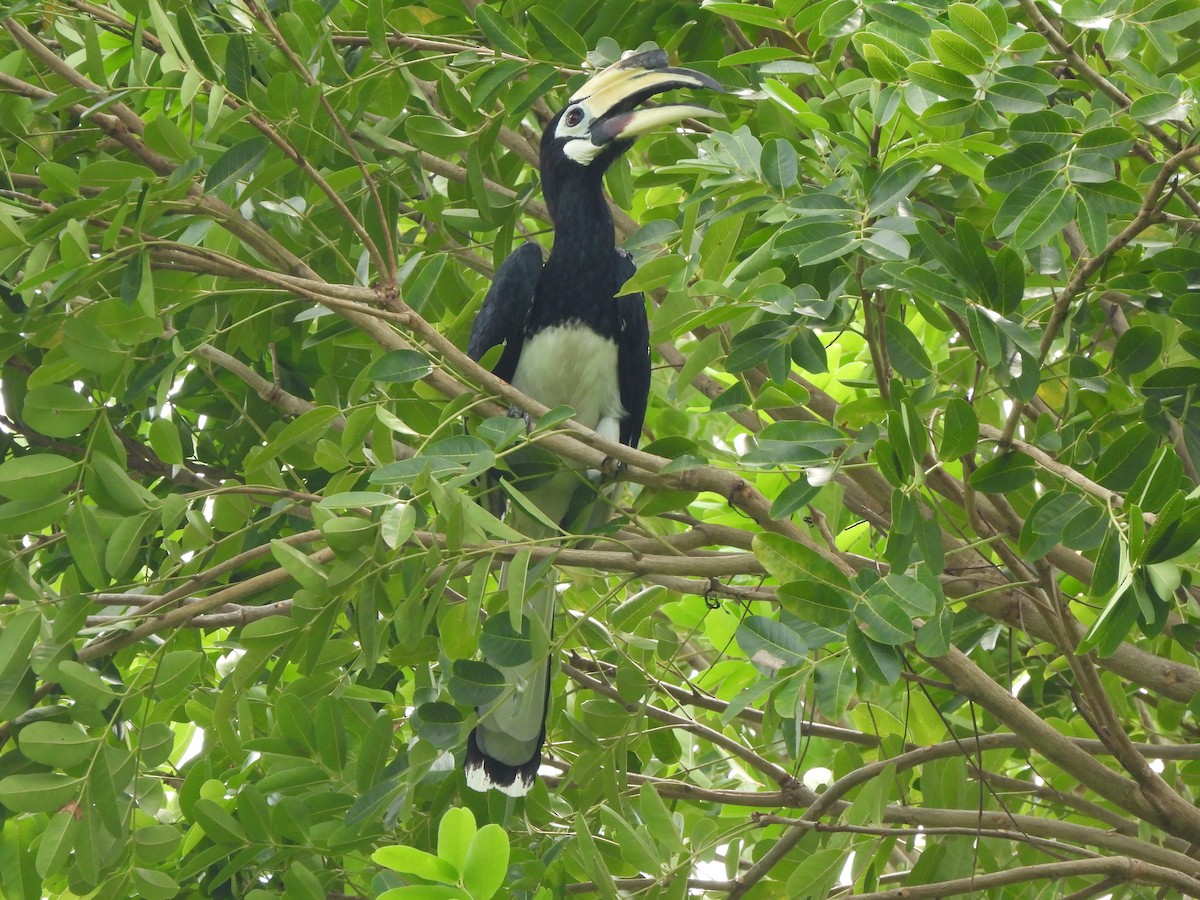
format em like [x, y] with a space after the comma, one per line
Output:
[501, 319]
[633, 354]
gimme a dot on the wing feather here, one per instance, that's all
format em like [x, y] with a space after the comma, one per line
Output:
[633, 354]
[505, 310]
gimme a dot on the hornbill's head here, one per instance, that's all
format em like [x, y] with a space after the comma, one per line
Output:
[604, 116]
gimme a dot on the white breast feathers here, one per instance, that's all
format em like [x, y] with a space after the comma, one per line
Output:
[571, 365]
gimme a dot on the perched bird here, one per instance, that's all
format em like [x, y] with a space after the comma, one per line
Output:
[570, 339]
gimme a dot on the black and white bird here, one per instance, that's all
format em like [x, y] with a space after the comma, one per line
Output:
[571, 339]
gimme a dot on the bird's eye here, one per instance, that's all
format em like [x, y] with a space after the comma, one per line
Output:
[574, 116]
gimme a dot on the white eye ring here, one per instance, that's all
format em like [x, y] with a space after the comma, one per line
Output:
[573, 116]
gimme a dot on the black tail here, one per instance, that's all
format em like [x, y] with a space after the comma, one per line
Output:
[502, 754]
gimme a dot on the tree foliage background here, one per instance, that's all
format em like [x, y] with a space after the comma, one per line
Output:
[903, 593]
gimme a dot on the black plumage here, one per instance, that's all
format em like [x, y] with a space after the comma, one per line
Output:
[571, 337]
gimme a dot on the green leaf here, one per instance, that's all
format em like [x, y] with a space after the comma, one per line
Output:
[942, 81]
[84, 684]
[86, 543]
[913, 596]
[237, 67]
[780, 165]
[1010, 280]
[1150, 109]
[1110, 198]
[788, 560]
[814, 601]
[435, 135]
[1112, 626]
[237, 163]
[750, 14]
[1049, 214]
[354, 499]
[883, 619]
[402, 366]
[973, 24]
[155, 843]
[794, 497]
[658, 819]
[905, 352]
[1004, 473]
[769, 644]
[267, 633]
[589, 855]
[835, 684]
[933, 638]
[501, 34]
[462, 449]
[879, 63]
[1126, 458]
[1136, 350]
[347, 535]
[155, 743]
[824, 440]
[36, 475]
[1046, 522]
[957, 52]
[17, 637]
[880, 663]
[373, 753]
[195, 50]
[486, 864]
[398, 524]
[56, 744]
[894, 185]
[56, 843]
[425, 892]
[1109, 141]
[412, 861]
[304, 429]
[154, 885]
[504, 646]
[606, 718]
[39, 792]
[1044, 126]
[1171, 536]
[475, 683]
[57, 411]
[632, 611]
[86, 342]
[656, 273]
[307, 573]
[1015, 97]
[217, 823]
[1172, 383]
[960, 430]
[563, 42]
[817, 873]
[439, 723]
[164, 440]
[817, 242]
[1010, 171]
[115, 490]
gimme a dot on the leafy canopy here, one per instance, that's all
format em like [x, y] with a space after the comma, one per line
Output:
[914, 520]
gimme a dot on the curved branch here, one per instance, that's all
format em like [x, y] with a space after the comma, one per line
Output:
[1120, 867]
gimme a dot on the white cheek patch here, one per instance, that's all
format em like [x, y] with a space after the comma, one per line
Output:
[582, 151]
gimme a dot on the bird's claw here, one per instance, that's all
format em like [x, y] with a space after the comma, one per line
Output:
[515, 412]
[611, 469]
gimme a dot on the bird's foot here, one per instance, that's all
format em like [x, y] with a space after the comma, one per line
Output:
[611, 469]
[515, 412]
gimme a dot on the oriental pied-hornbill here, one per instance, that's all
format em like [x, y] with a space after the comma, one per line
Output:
[570, 339]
